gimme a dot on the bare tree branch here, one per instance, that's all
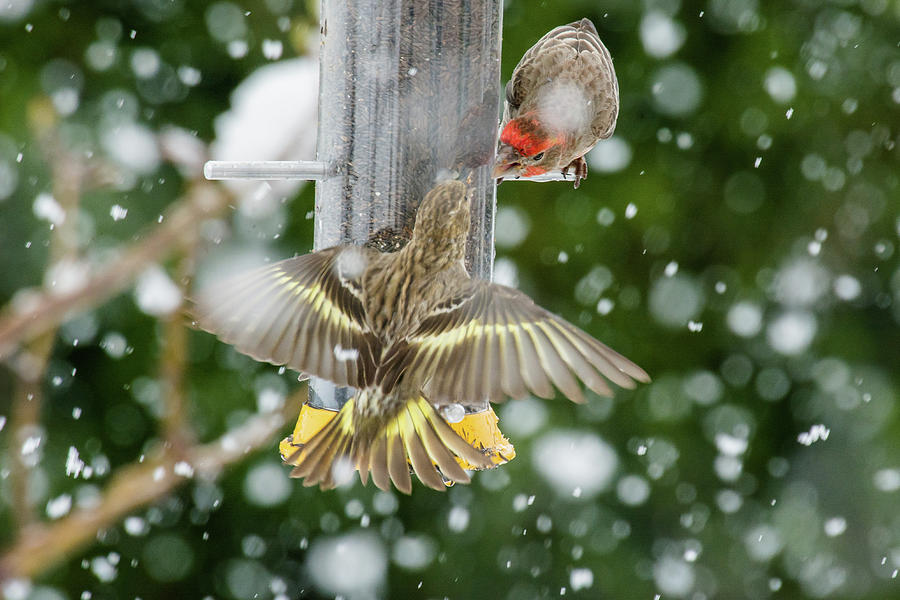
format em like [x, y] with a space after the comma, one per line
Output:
[203, 200]
[176, 426]
[42, 545]
[68, 176]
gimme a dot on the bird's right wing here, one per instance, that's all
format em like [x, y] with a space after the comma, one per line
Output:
[492, 341]
[303, 312]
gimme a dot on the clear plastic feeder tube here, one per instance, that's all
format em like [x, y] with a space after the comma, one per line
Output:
[409, 93]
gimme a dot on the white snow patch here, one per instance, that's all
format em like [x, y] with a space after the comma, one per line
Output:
[847, 287]
[59, 506]
[835, 526]
[183, 469]
[351, 565]
[103, 568]
[605, 306]
[581, 579]
[729, 501]
[505, 272]
[887, 480]
[453, 413]
[512, 225]
[414, 552]
[792, 332]
[267, 484]
[730, 445]
[189, 76]
[47, 208]
[131, 145]
[458, 519]
[31, 444]
[610, 156]
[745, 318]
[136, 526]
[524, 417]
[345, 354]
[74, 465]
[118, 212]
[815, 433]
[673, 576]
[238, 48]
[800, 282]
[272, 49]
[661, 35]
[114, 344]
[676, 300]
[780, 84]
[728, 468]
[66, 275]
[270, 399]
[13, 10]
[155, 293]
[703, 387]
[676, 89]
[575, 463]
[351, 263]
[632, 490]
[564, 107]
[19, 588]
[145, 62]
[763, 542]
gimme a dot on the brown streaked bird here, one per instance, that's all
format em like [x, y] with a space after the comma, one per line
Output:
[562, 98]
[413, 333]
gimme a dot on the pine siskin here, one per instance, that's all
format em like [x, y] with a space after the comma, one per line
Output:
[410, 330]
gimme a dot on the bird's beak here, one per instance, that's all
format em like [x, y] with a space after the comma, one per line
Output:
[507, 160]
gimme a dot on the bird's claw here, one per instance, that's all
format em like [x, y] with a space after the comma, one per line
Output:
[580, 168]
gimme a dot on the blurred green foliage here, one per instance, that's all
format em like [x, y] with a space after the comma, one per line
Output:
[737, 238]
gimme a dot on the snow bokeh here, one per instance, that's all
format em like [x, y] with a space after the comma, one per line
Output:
[155, 293]
[576, 463]
[564, 107]
[610, 155]
[661, 35]
[353, 565]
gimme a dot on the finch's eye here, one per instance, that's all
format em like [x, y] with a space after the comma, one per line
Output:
[538, 156]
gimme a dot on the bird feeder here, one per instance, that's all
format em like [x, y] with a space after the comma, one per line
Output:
[409, 94]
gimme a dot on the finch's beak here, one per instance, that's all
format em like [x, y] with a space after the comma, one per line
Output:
[507, 163]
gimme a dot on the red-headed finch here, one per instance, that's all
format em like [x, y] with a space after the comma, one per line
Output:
[411, 331]
[561, 100]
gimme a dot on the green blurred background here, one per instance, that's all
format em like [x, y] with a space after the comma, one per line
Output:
[736, 237]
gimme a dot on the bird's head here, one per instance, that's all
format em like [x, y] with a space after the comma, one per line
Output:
[443, 217]
[527, 148]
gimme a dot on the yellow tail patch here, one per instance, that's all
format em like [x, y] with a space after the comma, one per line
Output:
[417, 435]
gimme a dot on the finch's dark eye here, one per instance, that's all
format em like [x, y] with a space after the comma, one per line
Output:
[538, 156]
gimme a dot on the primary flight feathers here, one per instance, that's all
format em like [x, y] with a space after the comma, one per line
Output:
[410, 330]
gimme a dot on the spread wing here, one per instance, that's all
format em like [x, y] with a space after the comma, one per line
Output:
[303, 312]
[494, 341]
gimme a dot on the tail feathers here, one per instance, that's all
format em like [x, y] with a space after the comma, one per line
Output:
[417, 435]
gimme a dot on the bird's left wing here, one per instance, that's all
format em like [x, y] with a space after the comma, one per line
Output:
[492, 341]
[303, 312]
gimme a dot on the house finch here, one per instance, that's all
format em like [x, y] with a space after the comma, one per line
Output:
[411, 331]
[561, 100]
